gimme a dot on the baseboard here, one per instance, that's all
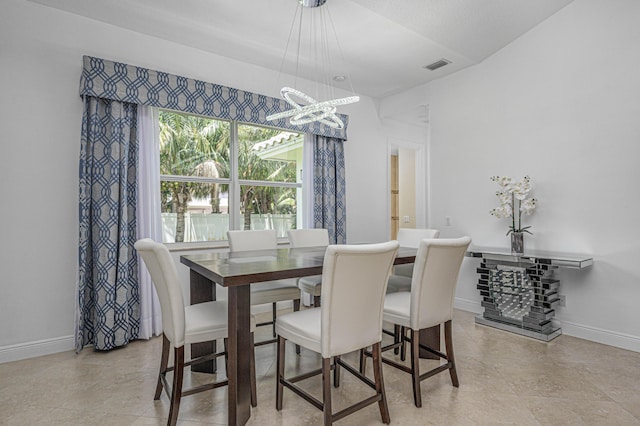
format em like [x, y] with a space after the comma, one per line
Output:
[66, 343]
[467, 305]
[593, 334]
[35, 349]
[606, 337]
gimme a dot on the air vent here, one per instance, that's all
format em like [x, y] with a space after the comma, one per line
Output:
[438, 64]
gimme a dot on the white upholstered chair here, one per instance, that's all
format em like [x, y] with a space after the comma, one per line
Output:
[354, 281]
[270, 291]
[400, 279]
[184, 325]
[429, 304]
[310, 238]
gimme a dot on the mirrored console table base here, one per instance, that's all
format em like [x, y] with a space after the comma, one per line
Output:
[520, 292]
[518, 330]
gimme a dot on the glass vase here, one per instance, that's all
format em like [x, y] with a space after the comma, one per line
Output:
[517, 243]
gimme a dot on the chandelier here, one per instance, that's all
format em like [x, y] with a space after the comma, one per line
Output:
[304, 108]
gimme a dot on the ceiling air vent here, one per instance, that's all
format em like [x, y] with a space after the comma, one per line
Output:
[437, 64]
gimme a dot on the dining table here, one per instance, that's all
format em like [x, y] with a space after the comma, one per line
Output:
[236, 272]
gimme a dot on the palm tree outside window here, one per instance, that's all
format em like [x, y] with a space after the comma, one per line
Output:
[218, 175]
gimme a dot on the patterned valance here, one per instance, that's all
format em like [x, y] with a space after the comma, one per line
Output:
[127, 83]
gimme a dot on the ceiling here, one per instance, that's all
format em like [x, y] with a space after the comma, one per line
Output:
[384, 44]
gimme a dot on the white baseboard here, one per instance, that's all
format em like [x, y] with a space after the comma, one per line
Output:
[467, 305]
[593, 334]
[35, 349]
[66, 343]
[606, 337]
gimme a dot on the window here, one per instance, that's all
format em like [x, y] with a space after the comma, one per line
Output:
[217, 175]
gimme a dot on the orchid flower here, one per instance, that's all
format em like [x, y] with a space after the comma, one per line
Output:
[513, 198]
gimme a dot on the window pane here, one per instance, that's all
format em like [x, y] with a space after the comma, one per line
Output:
[197, 173]
[269, 154]
[268, 207]
[193, 146]
[203, 214]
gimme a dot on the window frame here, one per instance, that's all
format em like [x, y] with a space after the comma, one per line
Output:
[234, 183]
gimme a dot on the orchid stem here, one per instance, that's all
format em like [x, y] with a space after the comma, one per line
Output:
[513, 213]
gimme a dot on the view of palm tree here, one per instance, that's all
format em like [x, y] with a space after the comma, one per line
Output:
[198, 147]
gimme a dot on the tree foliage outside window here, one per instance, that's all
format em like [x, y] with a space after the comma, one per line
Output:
[196, 164]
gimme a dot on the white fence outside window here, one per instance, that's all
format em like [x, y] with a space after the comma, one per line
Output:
[214, 226]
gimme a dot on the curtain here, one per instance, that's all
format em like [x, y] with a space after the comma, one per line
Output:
[106, 79]
[108, 297]
[113, 305]
[329, 189]
[149, 222]
[307, 179]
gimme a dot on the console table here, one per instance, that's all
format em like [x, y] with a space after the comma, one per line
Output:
[519, 292]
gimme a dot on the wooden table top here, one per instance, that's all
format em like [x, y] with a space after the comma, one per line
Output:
[246, 267]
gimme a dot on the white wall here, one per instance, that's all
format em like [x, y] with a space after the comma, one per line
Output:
[41, 53]
[562, 105]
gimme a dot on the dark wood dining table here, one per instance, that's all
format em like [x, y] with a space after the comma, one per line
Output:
[237, 271]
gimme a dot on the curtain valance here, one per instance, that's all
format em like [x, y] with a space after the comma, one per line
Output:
[106, 79]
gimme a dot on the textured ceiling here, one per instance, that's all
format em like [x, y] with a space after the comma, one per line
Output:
[385, 43]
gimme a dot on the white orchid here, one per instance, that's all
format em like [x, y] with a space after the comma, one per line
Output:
[521, 189]
[503, 211]
[503, 181]
[513, 198]
[527, 206]
[504, 197]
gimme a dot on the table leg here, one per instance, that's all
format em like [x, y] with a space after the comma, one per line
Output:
[430, 337]
[238, 347]
[202, 290]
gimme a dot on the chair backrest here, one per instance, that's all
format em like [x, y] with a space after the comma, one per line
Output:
[434, 280]
[411, 237]
[164, 275]
[264, 239]
[354, 282]
[308, 237]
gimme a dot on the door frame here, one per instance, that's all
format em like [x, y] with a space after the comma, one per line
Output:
[420, 150]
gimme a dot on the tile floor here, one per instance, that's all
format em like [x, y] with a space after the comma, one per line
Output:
[504, 379]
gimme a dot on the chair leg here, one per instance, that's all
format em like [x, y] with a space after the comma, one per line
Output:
[273, 318]
[254, 393]
[363, 362]
[403, 346]
[176, 391]
[296, 308]
[280, 372]
[448, 341]
[377, 374]
[226, 356]
[396, 338]
[336, 372]
[164, 360]
[316, 301]
[326, 390]
[415, 367]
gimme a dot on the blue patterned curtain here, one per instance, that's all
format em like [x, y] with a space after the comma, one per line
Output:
[108, 298]
[329, 189]
[108, 312]
[127, 83]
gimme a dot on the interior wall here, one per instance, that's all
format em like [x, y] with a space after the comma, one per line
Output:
[561, 105]
[41, 53]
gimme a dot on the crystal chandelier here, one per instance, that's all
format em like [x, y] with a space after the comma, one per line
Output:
[304, 108]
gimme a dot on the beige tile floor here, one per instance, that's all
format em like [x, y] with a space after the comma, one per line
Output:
[504, 379]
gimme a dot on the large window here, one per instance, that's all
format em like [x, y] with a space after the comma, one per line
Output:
[218, 175]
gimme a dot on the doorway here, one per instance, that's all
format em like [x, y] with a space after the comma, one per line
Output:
[406, 187]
